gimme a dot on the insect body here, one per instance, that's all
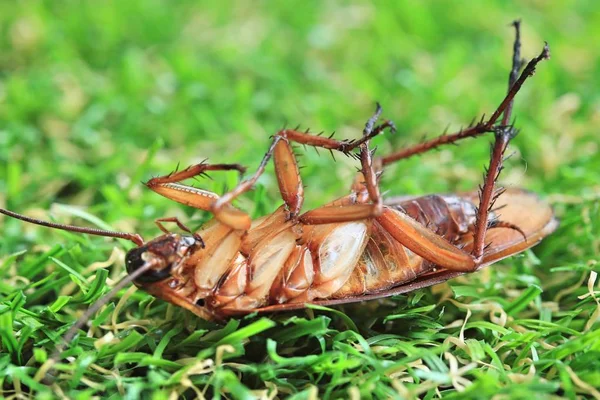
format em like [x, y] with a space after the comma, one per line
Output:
[282, 264]
[355, 248]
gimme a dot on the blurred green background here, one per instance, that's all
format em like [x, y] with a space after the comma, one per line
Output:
[98, 96]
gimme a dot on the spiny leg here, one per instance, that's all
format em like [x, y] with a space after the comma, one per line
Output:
[288, 178]
[328, 143]
[503, 134]
[193, 171]
[370, 130]
[496, 223]
[219, 207]
[425, 242]
[352, 211]
[368, 170]
[288, 175]
[286, 168]
[487, 194]
[169, 187]
[482, 126]
[433, 247]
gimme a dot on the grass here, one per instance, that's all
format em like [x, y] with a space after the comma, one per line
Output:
[98, 96]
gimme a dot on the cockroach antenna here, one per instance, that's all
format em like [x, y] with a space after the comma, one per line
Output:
[134, 237]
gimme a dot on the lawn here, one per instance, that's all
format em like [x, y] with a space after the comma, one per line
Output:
[96, 97]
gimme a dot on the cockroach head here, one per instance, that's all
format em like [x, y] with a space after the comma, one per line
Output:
[159, 256]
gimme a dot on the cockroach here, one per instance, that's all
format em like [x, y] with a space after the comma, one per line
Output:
[358, 247]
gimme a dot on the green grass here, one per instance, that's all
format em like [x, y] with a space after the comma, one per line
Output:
[98, 96]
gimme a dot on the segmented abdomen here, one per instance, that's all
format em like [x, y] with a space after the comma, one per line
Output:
[280, 261]
[385, 263]
[448, 216]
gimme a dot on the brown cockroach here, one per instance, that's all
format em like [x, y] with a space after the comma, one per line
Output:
[358, 247]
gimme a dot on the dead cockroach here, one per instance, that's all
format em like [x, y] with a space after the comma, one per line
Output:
[355, 248]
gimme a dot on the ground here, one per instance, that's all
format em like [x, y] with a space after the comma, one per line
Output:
[96, 97]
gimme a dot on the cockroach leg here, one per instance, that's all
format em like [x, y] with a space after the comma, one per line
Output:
[351, 212]
[366, 161]
[503, 134]
[370, 130]
[286, 168]
[176, 220]
[290, 183]
[356, 212]
[424, 242]
[369, 171]
[370, 124]
[482, 126]
[181, 226]
[193, 171]
[503, 224]
[487, 194]
[222, 207]
[169, 187]
[337, 214]
[288, 177]
[517, 64]
[343, 146]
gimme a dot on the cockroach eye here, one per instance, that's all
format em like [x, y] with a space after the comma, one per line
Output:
[134, 260]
